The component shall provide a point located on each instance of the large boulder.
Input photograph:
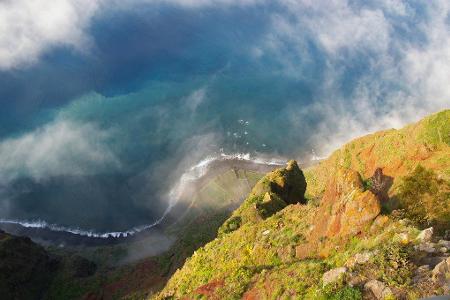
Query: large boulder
(288, 183)
(346, 209)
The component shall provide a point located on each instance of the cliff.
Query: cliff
(361, 230)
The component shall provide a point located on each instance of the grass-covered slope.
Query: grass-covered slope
(348, 241)
(397, 152)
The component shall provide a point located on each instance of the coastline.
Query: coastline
(190, 181)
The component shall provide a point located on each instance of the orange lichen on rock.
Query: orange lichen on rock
(346, 209)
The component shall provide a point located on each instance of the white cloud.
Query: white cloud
(405, 78)
(200, 3)
(29, 28)
(59, 148)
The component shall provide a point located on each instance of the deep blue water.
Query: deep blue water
(163, 87)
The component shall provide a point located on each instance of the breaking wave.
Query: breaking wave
(192, 174)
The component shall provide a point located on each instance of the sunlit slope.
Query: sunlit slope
(272, 248)
(396, 152)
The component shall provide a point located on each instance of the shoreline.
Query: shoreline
(190, 181)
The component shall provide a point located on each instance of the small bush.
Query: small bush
(393, 265)
(231, 224)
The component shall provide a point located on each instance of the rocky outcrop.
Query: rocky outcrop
(271, 194)
(345, 210)
(288, 183)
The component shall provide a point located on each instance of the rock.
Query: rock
(444, 243)
(346, 208)
(432, 261)
(271, 194)
(378, 289)
(380, 184)
(356, 280)
(270, 204)
(379, 222)
(426, 247)
(266, 232)
(362, 258)
(333, 275)
(443, 249)
(423, 268)
(359, 259)
(441, 272)
(425, 235)
(288, 183)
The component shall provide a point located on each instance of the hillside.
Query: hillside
(360, 230)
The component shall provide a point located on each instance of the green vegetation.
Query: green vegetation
(426, 198)
(271, 249)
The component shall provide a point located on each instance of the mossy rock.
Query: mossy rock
(271, 194)
(270, 204)
(288, 183)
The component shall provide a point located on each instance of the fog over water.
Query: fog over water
(105, 104)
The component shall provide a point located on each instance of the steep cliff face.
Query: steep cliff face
(345, 240)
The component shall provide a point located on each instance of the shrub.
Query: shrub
(393, 264)
(231, 224)
(426, 198)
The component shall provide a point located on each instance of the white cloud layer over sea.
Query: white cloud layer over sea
(418, 64)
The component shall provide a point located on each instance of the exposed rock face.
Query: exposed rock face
(345, 210)
(270, 204)
(351, 207)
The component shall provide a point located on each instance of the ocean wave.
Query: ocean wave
(40, 224)
(191, 175)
